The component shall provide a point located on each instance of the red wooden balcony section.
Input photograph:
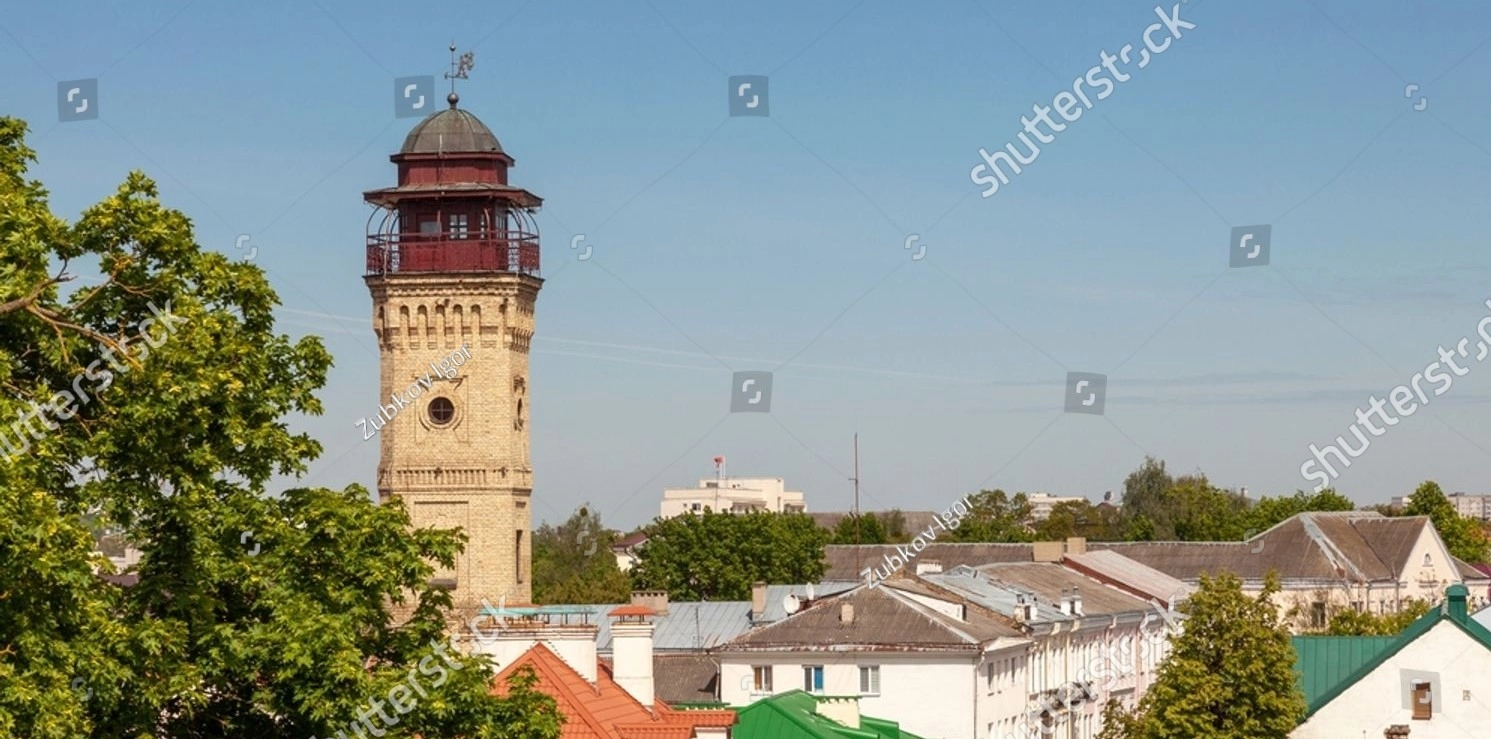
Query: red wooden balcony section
(475, 251)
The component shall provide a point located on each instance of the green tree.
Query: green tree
(1270, 511)
(995, 517)
(716, 556)
(1229, 675)
(1463, 536)
(894, 523)
(1146, 496)
(573, 563)
(1080, 518)
(864, 528)
(1349, 622)
(253, 615)
(1203, 512)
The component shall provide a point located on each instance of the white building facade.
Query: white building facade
(733, 495)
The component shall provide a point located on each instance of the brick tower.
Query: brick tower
(452, 261)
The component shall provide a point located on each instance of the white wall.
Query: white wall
(1462, 695)
(931, 695)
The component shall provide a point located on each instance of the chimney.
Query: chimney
(1457, 595)
(842, 710)
(846, 613)
(1024, 609)
(930, 566)
(1076, 545)
(1066, 602)
(1046, 551)
(1076, 602)
(505, 635)
(631, 652)
(657, 600)
(758, 600)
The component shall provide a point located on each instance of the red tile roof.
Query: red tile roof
(604, 710)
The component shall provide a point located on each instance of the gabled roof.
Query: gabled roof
(841, 558)
(1322, 660)
(604, 710)
(1139, 580)
(883, 620)
(794, 715)
(685, 678)
(1356, 545)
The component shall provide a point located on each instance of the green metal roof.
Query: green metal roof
(1323, 662)
(794, 715)
(1327, 665)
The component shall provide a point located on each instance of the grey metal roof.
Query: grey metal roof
(686, 627)
(775, 594)
(450, 131)
(1130, 576)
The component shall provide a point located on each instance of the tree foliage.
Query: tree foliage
(995, 516)
(1081, 518)
(1351, 622)
(865, 528)
(253, 615)
(1462, 535)
(1229, 675)
(716, 556)
(573, 563)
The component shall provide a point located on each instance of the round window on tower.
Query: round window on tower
(441, 411)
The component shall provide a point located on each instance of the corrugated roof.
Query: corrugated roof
(1322, 662)
(883, 620)
(1322, 668)
(841, 558)
(1137, 579)
(1357, 545)
(794, 715)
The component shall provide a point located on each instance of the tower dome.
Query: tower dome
(450, 131)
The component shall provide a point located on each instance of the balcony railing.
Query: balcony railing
(474, 251)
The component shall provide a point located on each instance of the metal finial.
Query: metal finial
(459, 70)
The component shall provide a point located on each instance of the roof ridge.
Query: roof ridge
(531, 656)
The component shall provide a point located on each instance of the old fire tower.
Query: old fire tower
(453, 259)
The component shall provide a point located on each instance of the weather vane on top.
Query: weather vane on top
(459, 70)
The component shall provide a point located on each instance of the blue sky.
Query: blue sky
(778, 243)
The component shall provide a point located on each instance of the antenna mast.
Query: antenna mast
(856, 504)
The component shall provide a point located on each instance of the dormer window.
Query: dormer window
(459, 226)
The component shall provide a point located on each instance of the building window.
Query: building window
(1427, 561)
(458, 226)
(518, 554)
(869, 680)
(812, 678)
(441, 411)
(761, 679)
(429, 226)
(989, 676)
(1317, 615)
(1423, 702)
